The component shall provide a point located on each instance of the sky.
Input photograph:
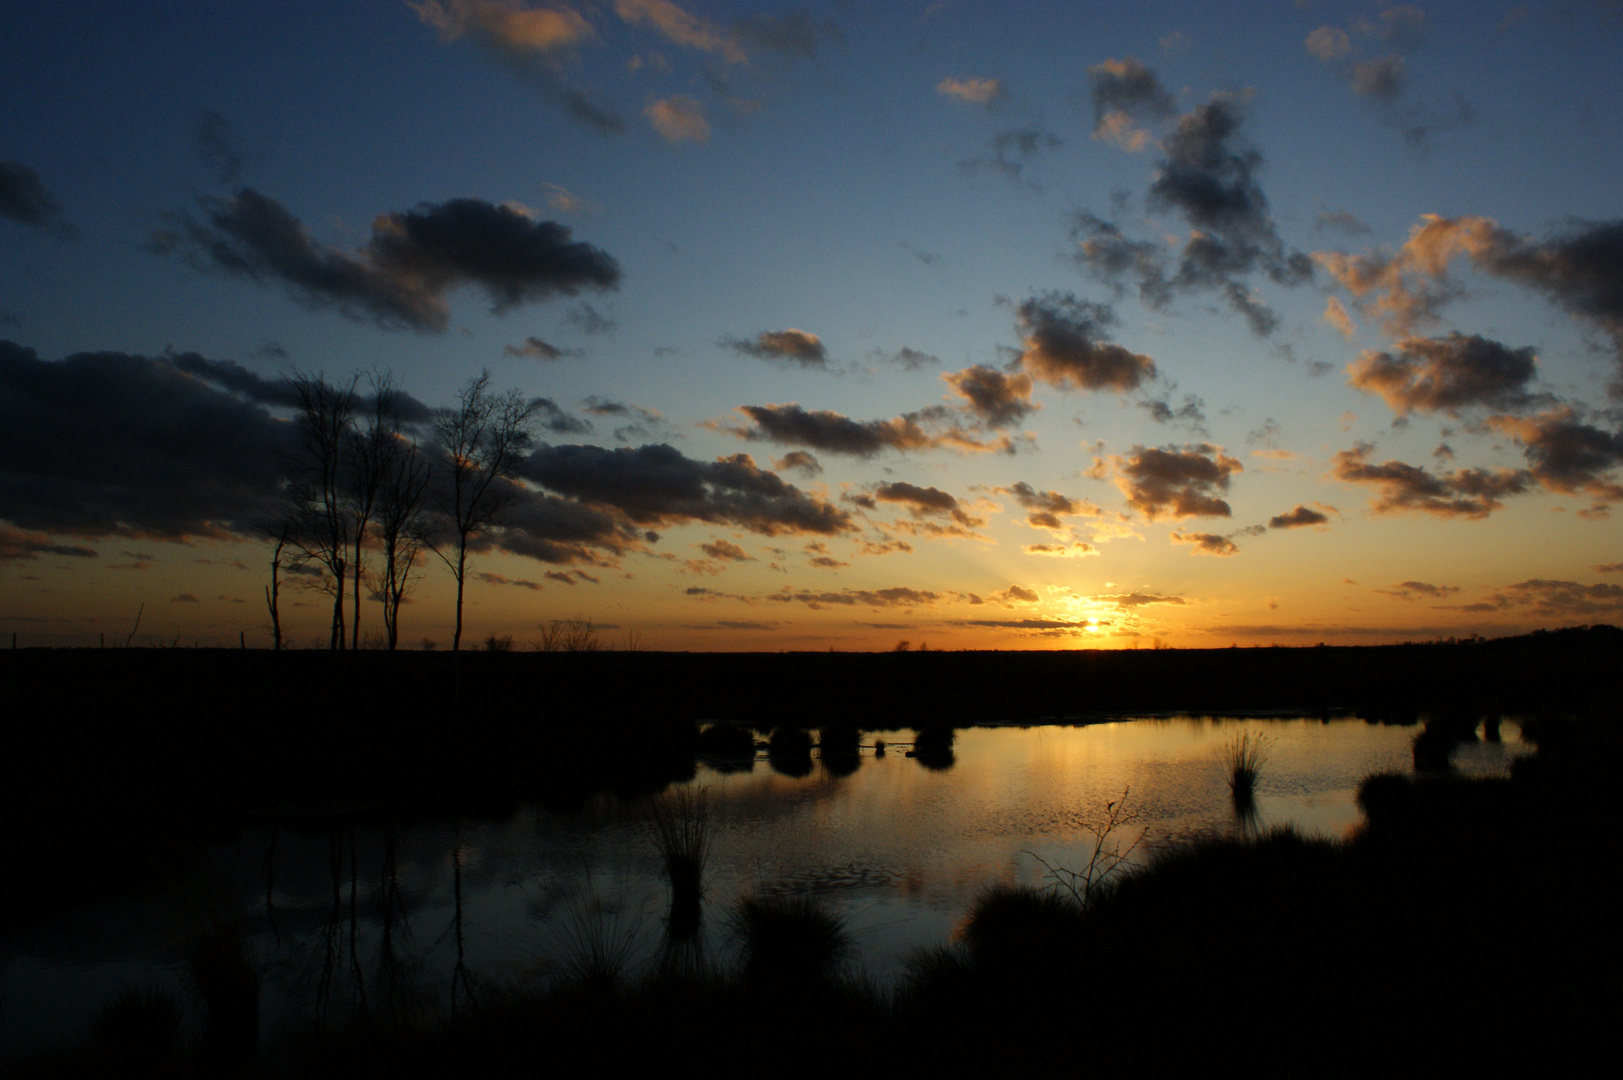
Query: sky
(964, 325)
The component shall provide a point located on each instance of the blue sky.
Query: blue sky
(918, 191)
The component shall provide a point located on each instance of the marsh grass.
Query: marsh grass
(681, 819)
(1244, 755)
(791, 939)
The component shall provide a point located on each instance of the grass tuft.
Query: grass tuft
(681, 820)
(791, 940)
(1245, 754)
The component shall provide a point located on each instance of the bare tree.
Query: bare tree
(273, 592)
(374, 447)
(317, 488)
(483, 436)
(400, 532)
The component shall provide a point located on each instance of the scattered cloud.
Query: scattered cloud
(976, 91)
(996, 399)
(1206, 543)
(1169, 482)
(678, 119)
(1065, 345)
(24, 198)
(412, 260)
(792, 346)
(1467, 493)
(1446, 374)
(833, 433)
(537, 349)
(1297, 518)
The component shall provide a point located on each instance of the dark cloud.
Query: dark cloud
(1564, 454)
(726, 551)
(800, 461)
(1446, 374)
(588, 320)
(518, 583)
(555, 420)
(1566, 599)
(918, 500)
(534, 43)
(1074, 549)
(1127, 86)
(1132, 600)
(1468, 493)
(1065, 345)
(1208, 177)
(17, 545)
(1191, 413)
(413, 258)
(1380, 78)
(998, 400)
(1297, 518)
(655, 484)
(794, 34)
(895, 597)
(1420, 590)
(909, 359)
(1051, 502)
(232, 376)
(837, 434)
(1014, 149)
(794, 346)
(113, 444)
(1342, 221)
(538, 349)
(217, 147)
(24, 198)
(1581, 271)
(1168, 482)
(1207, 543)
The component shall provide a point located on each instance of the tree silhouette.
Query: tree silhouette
(483, 437)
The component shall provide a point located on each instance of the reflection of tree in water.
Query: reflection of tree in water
(932, 746)
(461, 983)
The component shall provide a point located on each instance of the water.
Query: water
(338, 911)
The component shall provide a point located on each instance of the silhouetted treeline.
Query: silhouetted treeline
(146, 753)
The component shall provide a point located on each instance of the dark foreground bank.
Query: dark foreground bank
(1458, 932)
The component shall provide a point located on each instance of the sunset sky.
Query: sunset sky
(970, 324)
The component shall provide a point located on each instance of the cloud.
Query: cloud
(1297, 518)
(564, 201)
(1169, 482)
(678, 119)
(17, 545)
(1468, 493)
(998, 400)
(1013, 149)
(1014, 594)
(1133, 600)
(1128, 90)
(24, 198)
(1065, 345)
(555, 420)
(656, 485)
(1416, 590)
(836, 434)
(1108, 256)
(893, 597)
(1565, 599)
(519, 583)
(589, 320)
(1207, 543)
(538, 349)
(795, 346)
(217, 147)
(103, 444)
(1336, 315)
(413, 258)
(681, 28)
(1564, 454)
(976, 91)
(533, 42)
(726, 551)
(1329, 43)
(800, 461)
(1580, 271)
(925, 502)
(1075, 549)
(1380, 78)
(1342, 221)
(1192, 412)
(909, 359)
(1445, 374)
(1209, 178)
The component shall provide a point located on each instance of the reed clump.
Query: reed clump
(1245, 754)
(682, 827)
